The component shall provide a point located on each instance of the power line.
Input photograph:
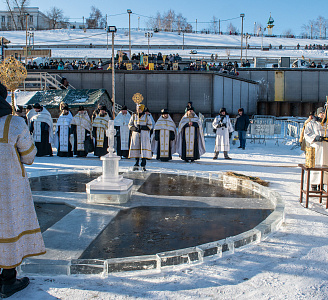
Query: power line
(81, 38)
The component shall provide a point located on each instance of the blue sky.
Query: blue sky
(287, 14)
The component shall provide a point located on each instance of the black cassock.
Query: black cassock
(100, 151)
(43, 147)
(158, 138)
(184, 150)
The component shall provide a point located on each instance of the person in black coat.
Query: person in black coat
(242, 122)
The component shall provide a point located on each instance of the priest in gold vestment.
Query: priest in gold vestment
(20, 234)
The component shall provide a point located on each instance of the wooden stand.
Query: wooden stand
(320, 193)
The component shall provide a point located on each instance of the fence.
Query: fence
(263, 128)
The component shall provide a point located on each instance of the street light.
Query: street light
(129, 11)
(31, 37)
(26, 15)
(242, 29)
(247, 36)
(113, 29)
(148, 35)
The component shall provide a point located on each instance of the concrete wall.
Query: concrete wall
(289, 92)
(298, 85)
(208, 91)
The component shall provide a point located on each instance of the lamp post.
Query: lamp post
(247, 36)
(129, 11)
(148, 35)
(31, 37)
(113, 29)
(26, 19)
(242, 29)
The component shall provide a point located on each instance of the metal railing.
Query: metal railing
(285, 130)
(42, 81)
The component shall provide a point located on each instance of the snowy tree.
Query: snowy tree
(257, 28)
(315, 28)
(321, 24)
(231, 28)
(96, 19)
(214, 25)
(288, 33)
(56, 17)
(169, 21)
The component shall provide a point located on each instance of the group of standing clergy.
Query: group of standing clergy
(73, 135)
(137, 136)
(165, 140)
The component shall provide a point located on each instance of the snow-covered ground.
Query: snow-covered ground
(291, 263)
(99, 37)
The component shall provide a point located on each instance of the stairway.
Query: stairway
(41, 81)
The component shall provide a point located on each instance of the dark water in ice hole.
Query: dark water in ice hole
(150, 230)
(156, 184)
(50, 213)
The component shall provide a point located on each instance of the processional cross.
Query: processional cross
(12, 74)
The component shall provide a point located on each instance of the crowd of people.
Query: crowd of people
(314, 47)
(67, 65)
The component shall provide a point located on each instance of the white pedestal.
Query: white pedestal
(110, 188)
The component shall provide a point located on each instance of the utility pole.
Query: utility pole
(113, 29)
(138, 23)
(183, 41)
(148, 35)
(219, 26)
(254, 28)
(129, 11)
(26, 19)
(311, 30)
(196, 25)
(242, 29)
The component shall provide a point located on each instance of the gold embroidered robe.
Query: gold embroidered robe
(20, 234)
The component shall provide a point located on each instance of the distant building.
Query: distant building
(16, 20)
(270, 25)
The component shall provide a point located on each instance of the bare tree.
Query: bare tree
(96, 19)
(21, 5)
(316, 27)
(321, 24)
(231, 28)
(214, 25)
(257, 28)
(169, 21)
(56, 16)
(288, 33)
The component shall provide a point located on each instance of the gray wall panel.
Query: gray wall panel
(227, 94)
(252, 102)
(201, 92)
(157, 92)
(119, 89)
(293, 80)
(323, 86)
(310, 91)
(178, 92)
(92, 81)
(245, 95)
(236, 96)
(218, 94)
(262, 77)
